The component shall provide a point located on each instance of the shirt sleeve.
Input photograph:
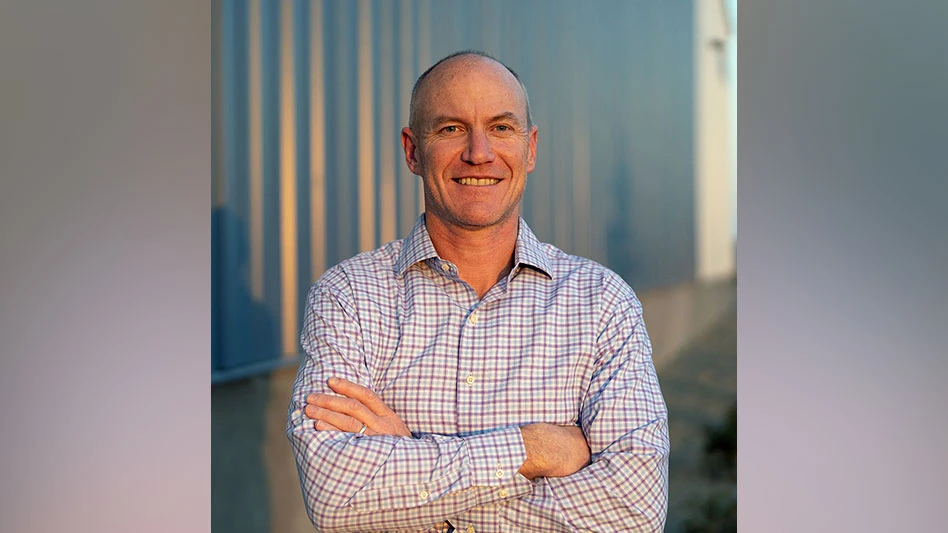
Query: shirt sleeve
(625, 420)
(369, 483)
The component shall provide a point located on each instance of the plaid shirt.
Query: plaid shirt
(559, 340)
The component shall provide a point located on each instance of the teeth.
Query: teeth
(478, 181)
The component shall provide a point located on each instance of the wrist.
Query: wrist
(534, 465)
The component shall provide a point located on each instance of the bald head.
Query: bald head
(431, 77)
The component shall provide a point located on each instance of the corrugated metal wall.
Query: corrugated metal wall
(309, 99)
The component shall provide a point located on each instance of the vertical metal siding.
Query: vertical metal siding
(309, 101)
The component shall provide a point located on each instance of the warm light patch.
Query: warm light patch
(255, 166)
(288, 245)
(366, 126)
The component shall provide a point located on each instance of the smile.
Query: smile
(477, 181)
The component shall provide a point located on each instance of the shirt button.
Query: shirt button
(423, 495)
(445, 267)
(470, 529)
(470, 379)
(499, 472)
(472, 319)
(503, 493)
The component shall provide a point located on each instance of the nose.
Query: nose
(478, 150)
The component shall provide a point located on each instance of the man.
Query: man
(468, 377)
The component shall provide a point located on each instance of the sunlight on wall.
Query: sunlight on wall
(310, 97)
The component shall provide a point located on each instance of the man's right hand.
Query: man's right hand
(553, 451)
(354, 406)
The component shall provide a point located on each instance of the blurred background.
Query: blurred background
(636, 107)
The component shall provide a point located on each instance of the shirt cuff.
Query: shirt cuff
(495, 459)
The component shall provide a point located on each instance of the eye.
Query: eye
(503, 127)
(449, 129)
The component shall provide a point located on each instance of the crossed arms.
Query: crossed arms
(608, 474)
(552, 450)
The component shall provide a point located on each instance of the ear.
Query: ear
(411, 151)
(532, 154)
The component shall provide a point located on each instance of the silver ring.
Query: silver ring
(362, 431)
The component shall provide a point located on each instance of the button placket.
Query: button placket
(470, 371)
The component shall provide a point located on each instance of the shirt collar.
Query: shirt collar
(529, 251)
(418, 247)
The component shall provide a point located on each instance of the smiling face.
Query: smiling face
(473, 147)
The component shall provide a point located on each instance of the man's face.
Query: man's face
(473, 149)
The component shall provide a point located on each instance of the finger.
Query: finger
(338, 421)
(322, 425)
(347, 406)
(366, 396)
(314, 412)
(340, 404)
(318, 398)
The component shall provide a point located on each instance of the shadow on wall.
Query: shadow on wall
(244, 330)
(619, 235)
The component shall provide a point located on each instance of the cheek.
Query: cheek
(435, 163)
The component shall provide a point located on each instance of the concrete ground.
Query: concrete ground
(699, 381)
(693, 328)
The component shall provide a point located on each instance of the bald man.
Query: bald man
(469, 377)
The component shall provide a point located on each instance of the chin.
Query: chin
(481, 220)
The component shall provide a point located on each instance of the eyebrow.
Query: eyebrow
(507, 115)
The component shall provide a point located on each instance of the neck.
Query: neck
(483, 256)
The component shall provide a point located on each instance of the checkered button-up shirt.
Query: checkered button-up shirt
(559, 340)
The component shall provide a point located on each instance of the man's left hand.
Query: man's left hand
(356, 405)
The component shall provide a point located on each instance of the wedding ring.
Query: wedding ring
(362, 431)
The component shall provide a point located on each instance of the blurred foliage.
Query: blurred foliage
(715, 513)
(716, 510)
(720, 447)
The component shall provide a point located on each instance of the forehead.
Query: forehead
(471, 83)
